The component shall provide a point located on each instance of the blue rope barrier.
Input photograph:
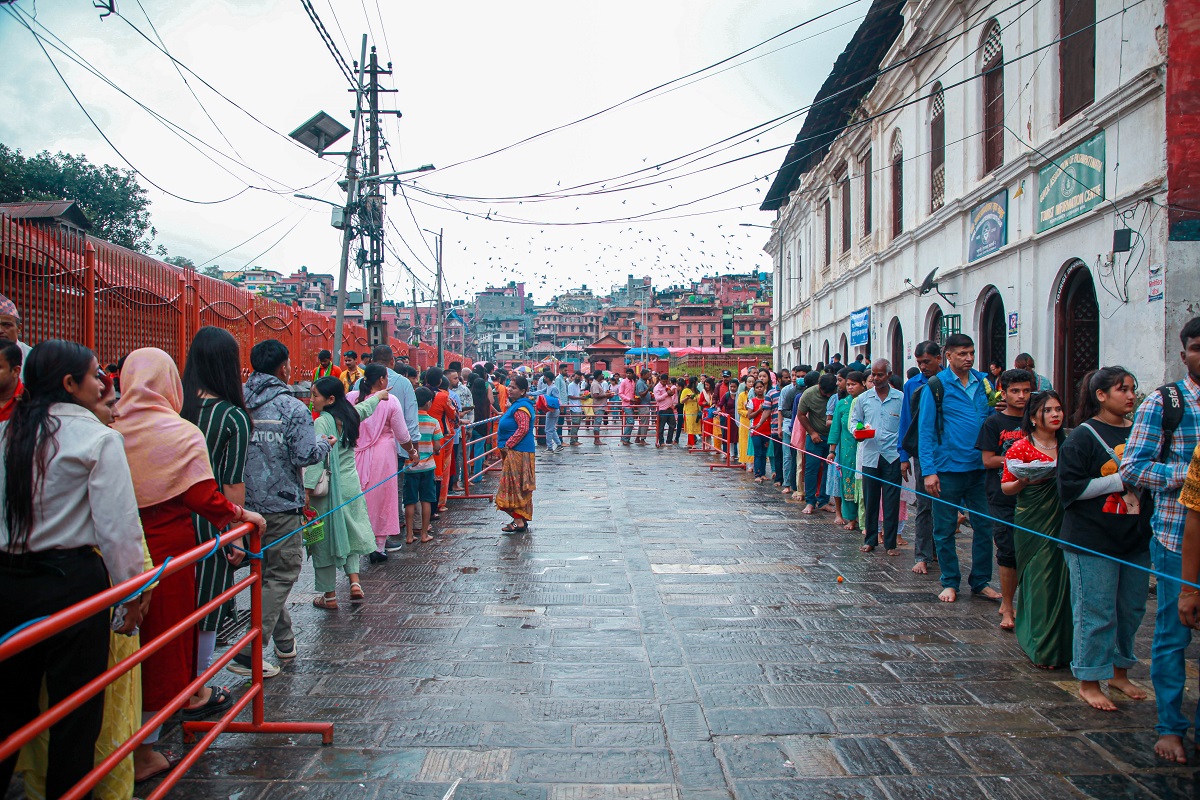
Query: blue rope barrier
(973, 512)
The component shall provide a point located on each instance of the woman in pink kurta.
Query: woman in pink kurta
(375, 456)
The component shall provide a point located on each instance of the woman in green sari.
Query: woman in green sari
(1044, 628)
(347, 531)
(844, 447)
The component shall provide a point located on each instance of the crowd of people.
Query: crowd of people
(108, 473)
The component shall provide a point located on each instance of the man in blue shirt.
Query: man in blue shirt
(953, 469)
(929, 361)
(880, 410)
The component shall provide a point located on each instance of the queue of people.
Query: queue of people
(103, 480)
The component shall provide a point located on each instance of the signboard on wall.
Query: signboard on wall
(1014, 323)
(1155, 284)
(989, 226)
(1071, 184)
(860, 327)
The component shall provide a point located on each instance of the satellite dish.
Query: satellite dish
(928, 285)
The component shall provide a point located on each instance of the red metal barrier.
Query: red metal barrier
(113, 300)
(100, 603)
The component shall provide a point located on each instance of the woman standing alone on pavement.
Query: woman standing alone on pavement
(347, 531)
(514, 495)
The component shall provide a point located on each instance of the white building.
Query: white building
(986, 145)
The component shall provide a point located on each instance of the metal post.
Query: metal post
(441, 322)
(89, 296)
(351, 198)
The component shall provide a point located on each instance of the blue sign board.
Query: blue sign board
(860, 327)
(989, 229)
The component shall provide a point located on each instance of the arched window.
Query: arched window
(937, 148)
(993, 99)
(897, 185)
(1076, 56)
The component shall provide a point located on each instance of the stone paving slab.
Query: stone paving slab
(667, 632)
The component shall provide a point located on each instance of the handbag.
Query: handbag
(322, 487)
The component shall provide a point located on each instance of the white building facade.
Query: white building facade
(971, 179)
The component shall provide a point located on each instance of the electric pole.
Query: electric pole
(351, 198)
(441, 314)
(377, 327)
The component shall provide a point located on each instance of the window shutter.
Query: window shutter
(847, 216)
(825, 212)
(1076, 56)
(993, 100)
(868, 177)
(937, 150)
(897, 186)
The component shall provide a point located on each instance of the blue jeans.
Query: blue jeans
(965, 490)
(1108, 601)
(761, 445)
(553, 439)
(628, 420)
(789, 457)
(814, 469)
(1168, 656)
(923, 524)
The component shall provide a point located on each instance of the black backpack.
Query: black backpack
(912, 436)
(1172, 400)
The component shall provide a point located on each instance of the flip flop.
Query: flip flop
(218, 701)
(172, 762)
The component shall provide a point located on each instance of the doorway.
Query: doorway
(934, 328)
(993, 330)
(896, 351)
(1076, 332)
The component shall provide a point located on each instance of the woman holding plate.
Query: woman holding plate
(1108, 595)
(1043, 624)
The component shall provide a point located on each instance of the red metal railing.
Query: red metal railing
(100, 603)
(113, 300)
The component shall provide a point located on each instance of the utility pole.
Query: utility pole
(351, 202)
(441, 314)
(377, 328)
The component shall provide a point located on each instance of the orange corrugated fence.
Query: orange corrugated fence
(71, 286)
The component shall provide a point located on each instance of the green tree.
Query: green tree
(183, 262)
(117, 205)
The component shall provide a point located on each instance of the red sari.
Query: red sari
(169, 532)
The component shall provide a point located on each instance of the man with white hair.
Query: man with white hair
(10, 325)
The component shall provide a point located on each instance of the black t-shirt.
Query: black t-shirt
(997, 434)
(1099, 523)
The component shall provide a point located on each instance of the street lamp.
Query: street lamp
(752, 225)
(386, 175)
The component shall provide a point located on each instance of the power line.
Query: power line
(641, 94)
(327, 40)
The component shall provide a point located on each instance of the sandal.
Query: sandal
(218, 701)
(325, 602)
(172, 762)
(356, 593)
(512, 528)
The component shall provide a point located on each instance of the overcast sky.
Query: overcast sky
(472, 78)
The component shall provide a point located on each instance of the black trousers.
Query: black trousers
(35, 587)
(666, 427)
(873, 491)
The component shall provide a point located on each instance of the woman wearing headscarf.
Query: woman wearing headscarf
(172, 478)
(380, 436)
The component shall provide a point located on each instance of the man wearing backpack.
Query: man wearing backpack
(1165, 433)
(948, 428)
(929, 361)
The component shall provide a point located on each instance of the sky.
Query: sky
(472, 77)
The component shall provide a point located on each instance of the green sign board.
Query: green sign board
(1071, 184)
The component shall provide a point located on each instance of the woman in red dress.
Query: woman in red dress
(172, 479)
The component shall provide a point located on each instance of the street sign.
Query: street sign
(860, 327)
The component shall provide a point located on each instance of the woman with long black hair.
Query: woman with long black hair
(67, 492)
(1043, 623)
(1108, 595)
(213, 402)
(347, 531)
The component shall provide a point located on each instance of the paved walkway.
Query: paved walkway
(666, 632)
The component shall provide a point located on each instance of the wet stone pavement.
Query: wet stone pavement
(670, 633)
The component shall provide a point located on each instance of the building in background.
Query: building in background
(960, 176)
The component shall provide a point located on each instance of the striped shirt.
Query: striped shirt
(430, 438)
(1140, 464)
(226, 430)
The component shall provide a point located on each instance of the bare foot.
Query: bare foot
(988, 593)
(1127, 688)
(1169, 747)
(920, 568)
(866, 548)
(901, 541)
(1091, 694)
(807, 510)
(1008, 620)
(839, 520)
(948, 595)
(829, 507)
(893, 552)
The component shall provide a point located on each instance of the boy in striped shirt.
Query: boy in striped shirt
(420, 482)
